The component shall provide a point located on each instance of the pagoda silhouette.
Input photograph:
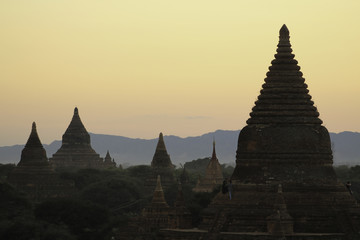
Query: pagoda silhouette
(284, 184)
(34, 176)
(76, 151)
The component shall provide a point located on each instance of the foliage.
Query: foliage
(84, 219)
(140, 172)
(198, 202)
(5, 169)
(17, 220)
(13, 203)
(105, 200)
(118, 194)
(352, 174)
(227, 170)
(30, 229)
(197, 166)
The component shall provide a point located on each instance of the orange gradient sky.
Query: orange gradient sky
(135, 68)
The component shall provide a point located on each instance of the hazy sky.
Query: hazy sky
(135, 68)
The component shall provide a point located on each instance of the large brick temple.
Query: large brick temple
(284, 184)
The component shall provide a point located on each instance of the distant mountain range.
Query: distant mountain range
(130, 151)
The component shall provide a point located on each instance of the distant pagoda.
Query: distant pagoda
(161, 158)
(34, 175)
(76, 151)
(161, 165)
(108, 161)
(213, 175)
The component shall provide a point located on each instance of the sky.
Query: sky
(135, 68)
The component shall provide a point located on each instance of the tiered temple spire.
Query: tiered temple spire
(213, 175)
(284, 143)
(76, 151)
(284, 98)
(33, 153)
(156, 215)
(284, 124)
(34, 175)
(108, 161)
(161, 158)
(161, 165)
(158, 197)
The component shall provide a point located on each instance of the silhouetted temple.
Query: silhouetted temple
(108, 161)
(156, 214)
(161, 165)
(76, 151)
(284, 185)
(213, 175)
(34, 175)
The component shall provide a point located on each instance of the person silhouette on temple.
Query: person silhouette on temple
(224, 187)
(348, 186)
(229, 186)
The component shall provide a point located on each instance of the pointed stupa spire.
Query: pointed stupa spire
(161, 158)
(33, 140)
(33, 152)
(284, 123)
(214, 152)
(161, 143)
(158, 197)
(76, 134)
(284, 33)
(284, 98)
(108, 157)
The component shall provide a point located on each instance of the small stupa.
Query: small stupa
(76, 151)
(213, 175)
(108, 161)
(34, 175)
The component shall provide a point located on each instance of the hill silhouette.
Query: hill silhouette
(131, 151)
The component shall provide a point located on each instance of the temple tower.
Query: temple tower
(155, 215)
(213, 175)
(34, 175)
(108, 161)
(161, 158)
(285, 143)
(161, 165)
(76, 151)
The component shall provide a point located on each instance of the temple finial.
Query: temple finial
(76, 111)
(284, 31)
(214, 152)
(33, 138)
